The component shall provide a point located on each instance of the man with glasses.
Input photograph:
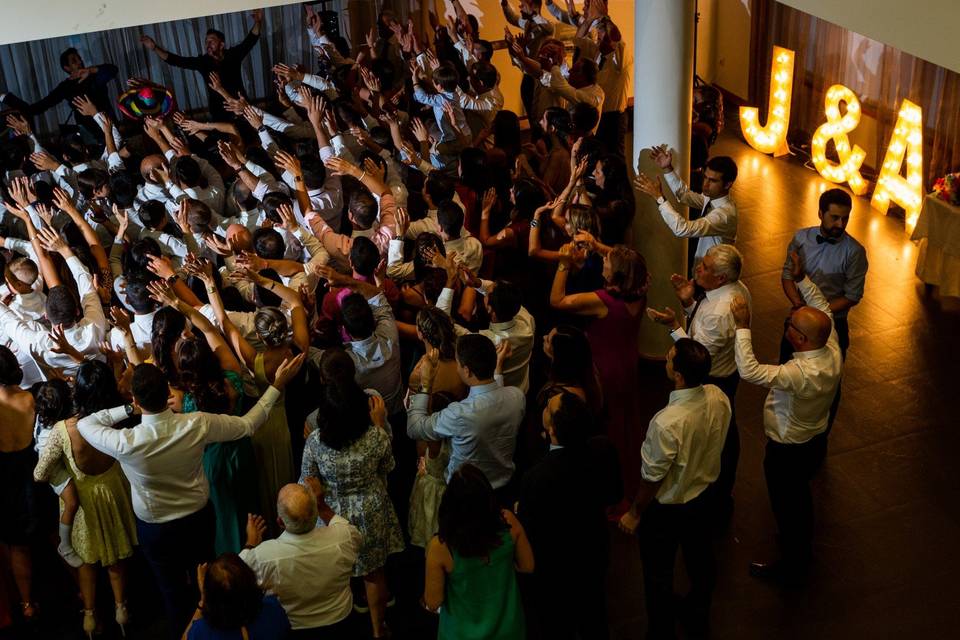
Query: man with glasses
(795, 417)
(836, 263)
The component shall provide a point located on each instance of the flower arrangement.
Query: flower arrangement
(947, 188)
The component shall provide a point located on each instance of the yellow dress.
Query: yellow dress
(104, 530)
(271, 448)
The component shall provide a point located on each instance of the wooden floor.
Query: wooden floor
(887, 500)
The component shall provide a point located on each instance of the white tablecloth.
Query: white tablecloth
(938, 260)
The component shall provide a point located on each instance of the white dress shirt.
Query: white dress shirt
(716, 226)
(85, 335)
(142, 329)
(519, 331)
(163, 456)
(684, 441)
(801, 390)
(309, 573)
(712, 326)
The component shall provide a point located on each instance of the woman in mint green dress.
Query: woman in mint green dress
(472, 563)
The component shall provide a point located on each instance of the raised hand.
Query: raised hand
(148, 42)
(331, 275)
(420, 130)
(19, 124)
(123, 220)
(256, 529)
(43, 161)
(254, 116)
(160, 266)
(402, 221)
(61, 345)
(179, 146)
(341, 167)
(121, 318)
(287, 370)
(251, 261)
(52, 241)
(288, 73)
(22, 191)
(667, 317)
(200, 268)
(217, 245)
(648, 185)
(683, 287)
(663, 157)
(489, 200)
(163, 293)
(85, 106)
(288, 162)
(45, 213)
(288, 220)
(192, 127)
(375, 170)
(229, 154)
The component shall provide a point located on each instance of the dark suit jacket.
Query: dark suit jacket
(562, 507)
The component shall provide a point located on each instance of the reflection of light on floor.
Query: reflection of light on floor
(755, 163)
(822, 187)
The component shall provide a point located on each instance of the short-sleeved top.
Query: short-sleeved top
(838, 269)
(271, 624)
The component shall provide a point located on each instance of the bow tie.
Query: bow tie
(821, 240)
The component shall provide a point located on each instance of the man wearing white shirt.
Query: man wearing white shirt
(795, 417)
(163, 460)
(681, 458)
(510, 322)
(83, 329)
(455, 239)
(711, 323)
(308, 567)
(713, 213)
(144, 308)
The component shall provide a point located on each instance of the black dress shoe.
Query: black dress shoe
(766, 570)
(779, 573)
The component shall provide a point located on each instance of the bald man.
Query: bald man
(152, 187)
(795, 418)
(308, 567)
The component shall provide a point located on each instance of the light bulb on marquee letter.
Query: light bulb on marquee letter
(772, 138)
(837, 128)
(906, 141)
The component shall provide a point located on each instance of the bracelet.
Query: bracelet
(534, 223)
(562, 267)
(211, 289)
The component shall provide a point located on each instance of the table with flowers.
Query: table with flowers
(938, 231)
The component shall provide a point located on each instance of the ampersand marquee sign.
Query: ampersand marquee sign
(905, 143)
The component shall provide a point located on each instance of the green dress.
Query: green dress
(271, 447)
(104, 530)
(229, 467)
(481, 599)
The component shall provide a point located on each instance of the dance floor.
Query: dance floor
(887, 539)
(886, 500)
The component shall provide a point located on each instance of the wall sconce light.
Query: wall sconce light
(772, 138)
(837, 128)
(906, 142)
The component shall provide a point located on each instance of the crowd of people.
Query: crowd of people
(271, 347)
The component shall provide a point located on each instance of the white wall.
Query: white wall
(729, 23)
(37, 19)
(923, 28)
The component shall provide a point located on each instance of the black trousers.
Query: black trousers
(843, 337)
(173, 550)
(788, 469)
(722, 489)
(664, 528)
(342, 630)
(572, 607)
(612, 131)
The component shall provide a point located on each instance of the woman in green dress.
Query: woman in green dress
(104, 531)
(472, 563)
(284, 339)
(210, 378)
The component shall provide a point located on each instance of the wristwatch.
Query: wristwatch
(172, 279)
(129, 409)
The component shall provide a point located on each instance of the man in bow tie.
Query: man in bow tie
(835, 262)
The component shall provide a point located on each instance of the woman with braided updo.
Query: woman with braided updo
(435, 330)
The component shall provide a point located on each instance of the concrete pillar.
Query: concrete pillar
(663, 98)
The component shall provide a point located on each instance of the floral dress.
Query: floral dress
(104, 530)
(356, 489)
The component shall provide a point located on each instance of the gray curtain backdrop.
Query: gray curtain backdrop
(32, 69)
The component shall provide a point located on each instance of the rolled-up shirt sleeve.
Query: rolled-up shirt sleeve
(658, 452)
